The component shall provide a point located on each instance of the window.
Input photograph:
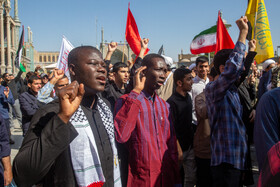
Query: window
(53, 58)
(40, 58)
(49, 58)
(45, 59)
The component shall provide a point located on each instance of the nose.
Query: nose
(101, 69)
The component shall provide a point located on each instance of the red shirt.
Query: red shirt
(145, 126)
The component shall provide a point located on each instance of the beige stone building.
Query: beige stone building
(45, 58)
(9, 36)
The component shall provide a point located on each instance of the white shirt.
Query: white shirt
(197, 87)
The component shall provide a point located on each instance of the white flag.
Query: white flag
(62, 62)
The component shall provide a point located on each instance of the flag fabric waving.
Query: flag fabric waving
(257, 15)
(132, 35)
(204, 42)
(62, 62)
(223, 40)
(161, 50)
(212, 39)
(18, 63)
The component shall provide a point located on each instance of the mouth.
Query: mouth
(160, 83)
(101, 79)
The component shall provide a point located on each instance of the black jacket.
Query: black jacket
(44, 156)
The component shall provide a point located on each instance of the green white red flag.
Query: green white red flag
(204, 42)
(212, 39)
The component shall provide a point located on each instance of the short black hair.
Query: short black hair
(180, 73)
(4, 75)
(201, 59)
(32, 78)
(213, 72)
(29, 74)
(220, 59)
(74, 53)
(119, 65)
(148, 59)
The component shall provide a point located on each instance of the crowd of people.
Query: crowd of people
(145, 123)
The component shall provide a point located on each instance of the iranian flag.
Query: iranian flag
(204, 42)
(18, 63)
(214, 39)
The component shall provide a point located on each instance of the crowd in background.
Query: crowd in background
(145, 123)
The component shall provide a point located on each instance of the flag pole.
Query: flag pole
(256, 14)
(123, 51)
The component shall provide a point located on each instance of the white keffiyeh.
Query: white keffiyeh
(84, 153)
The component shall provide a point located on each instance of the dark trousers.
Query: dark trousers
(225, 175)
(203, 172)
(7, 123)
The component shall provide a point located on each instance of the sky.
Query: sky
(171, 23)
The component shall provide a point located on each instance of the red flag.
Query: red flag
(223, 39)
(132, 35)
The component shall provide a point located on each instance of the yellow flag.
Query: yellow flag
(261, 30)
(251, 13)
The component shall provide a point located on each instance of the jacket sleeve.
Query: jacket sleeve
(200, 106)
(217, 89)
(27, 108)
(266, 129)
(46, 139)
(127, 109)
(5, 149)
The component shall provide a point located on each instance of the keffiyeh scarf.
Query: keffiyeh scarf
(84, 153)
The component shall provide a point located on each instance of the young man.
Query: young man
(143, 123)
(181, 110)
(115, 90)
(28, 101)
(200, 81)
(228, 132)
(71, 140)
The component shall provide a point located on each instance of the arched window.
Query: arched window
(49, 58)
(40, 58)
(45, 58)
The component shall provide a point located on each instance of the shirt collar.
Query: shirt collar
(148, 96)
(198, 79)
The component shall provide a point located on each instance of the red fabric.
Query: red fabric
(223, 40)
(96, 184)
(206, 49)
(146, 128)
(132, 35)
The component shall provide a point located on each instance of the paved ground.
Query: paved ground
(17, 137)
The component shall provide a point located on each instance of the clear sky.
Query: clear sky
(172, 23)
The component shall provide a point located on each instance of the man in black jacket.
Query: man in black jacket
(50, 148)
(181, 110)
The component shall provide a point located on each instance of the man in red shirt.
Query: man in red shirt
(143, 123)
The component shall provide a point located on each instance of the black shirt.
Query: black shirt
(181, 111)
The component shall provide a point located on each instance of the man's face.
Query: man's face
(202, 69)
(6, 78)
(45, 80)
(11, 77)
(155, 74)
(91, 71)
(35, 86)
(122, 75)
(187, 82)
(61, 83)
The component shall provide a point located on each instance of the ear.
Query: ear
(71, 70)
(179, 83)
(29, 85)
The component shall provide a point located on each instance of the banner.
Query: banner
(18, 63)
(62, 62)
